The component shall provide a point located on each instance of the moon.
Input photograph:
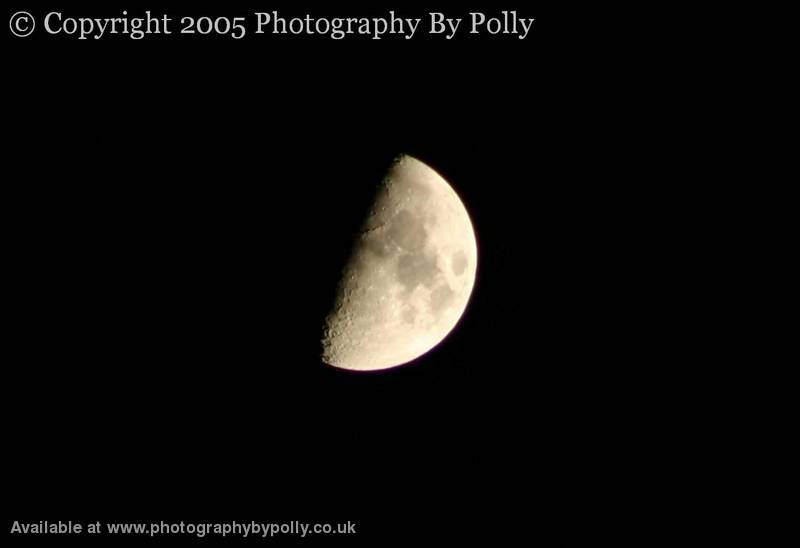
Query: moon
(410, 274)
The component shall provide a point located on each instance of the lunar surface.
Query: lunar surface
(409, 277)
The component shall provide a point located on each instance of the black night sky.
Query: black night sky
(176, 216)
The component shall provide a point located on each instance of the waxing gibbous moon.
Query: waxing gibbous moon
(410, 274)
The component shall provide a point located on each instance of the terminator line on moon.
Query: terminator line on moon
(410, 274)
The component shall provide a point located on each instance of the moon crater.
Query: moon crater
(459, 262)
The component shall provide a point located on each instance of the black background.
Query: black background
(177, 211)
